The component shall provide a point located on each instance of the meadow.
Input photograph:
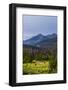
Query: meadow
(36, 67)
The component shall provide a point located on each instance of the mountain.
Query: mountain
(34, 40)
(48, 41)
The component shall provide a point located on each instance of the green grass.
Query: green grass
(37, 67)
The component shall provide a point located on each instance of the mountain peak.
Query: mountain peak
(34, 39)
(39, 34)
(54, 34)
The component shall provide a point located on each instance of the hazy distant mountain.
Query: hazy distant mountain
(48, 41)
(34, 40)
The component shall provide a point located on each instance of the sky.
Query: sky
(34, 25)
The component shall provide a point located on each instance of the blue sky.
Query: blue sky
(34, 25)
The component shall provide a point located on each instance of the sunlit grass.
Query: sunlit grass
(36, 67)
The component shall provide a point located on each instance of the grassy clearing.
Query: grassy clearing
(36, 67)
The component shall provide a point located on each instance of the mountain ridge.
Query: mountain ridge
(42, 40)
